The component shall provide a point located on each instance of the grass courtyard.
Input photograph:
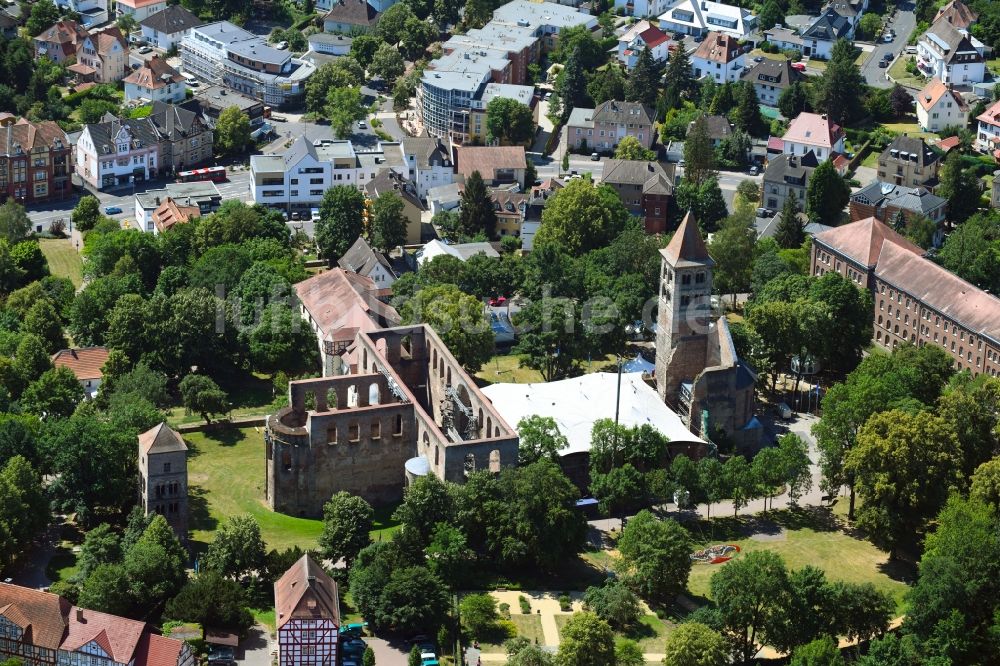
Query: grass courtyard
(64, 260)
(506, 368)
(226, 478)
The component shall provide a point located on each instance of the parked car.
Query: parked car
(799, 66)
(296, 216)
(362, 125)
(764, 212)
(699, 39)
(595, 157)
(497, 301)
(145, 49)
(883, 64)
(887, 38)
(758, 58)
(754, 170)
(279, 119)
(112, 210)
(281, 46)
(221, 655)
(548, 96)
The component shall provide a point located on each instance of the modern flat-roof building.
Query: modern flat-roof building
(698, 17)
(916, 300)
(224, 54)
(213, 100)
(297, 179)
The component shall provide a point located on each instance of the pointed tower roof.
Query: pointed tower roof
(687, 248)
(161, 439)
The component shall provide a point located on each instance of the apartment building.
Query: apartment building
(813, 132)
(988, 130)
(910, 162)
(155, 81)
(770, 77)
(105, 54)
(224, 54)
(60, 41)
(698, 17)
(720, 57)
(36, 162)
(820, 36)
(602, 128)
(348, 17)
(787, 176)
(644, 187)
(642, 35)
(140, 9)
(940, 106)
(951, 55)
(428, 163)
(296, 180)
(916, 300)
(165, 29)
(117, 153)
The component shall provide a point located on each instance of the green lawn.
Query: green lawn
(528, 626)
(898, 73)
(507, 369)
(807, 540)
(226, 477)
(650, 634)
(249, 395)
(910, 128)
(64, 260)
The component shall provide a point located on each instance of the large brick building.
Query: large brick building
(35, 162)
(645, 188)
(916, 300)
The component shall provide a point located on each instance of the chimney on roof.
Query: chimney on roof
(311, 579)
(79, 614)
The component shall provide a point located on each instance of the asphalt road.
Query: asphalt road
(237, 187)
(903, 23)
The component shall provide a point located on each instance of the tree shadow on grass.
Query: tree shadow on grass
(225, 434)
(899, 570)
(639, 631)
(199, 516)
(816, 518)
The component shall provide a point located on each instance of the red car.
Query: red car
(800, 66)
(497, 301)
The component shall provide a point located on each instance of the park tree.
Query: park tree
(699, 155)
(55, 394)
(614, 603)
(87, 213)
(387, 63)
(458, 318)
(211, 600)
(509, 121)
(655, 557)
(679, 84)
(426, 503)
(748, 593)
(238, 548)
(106, 590)
(628, 653)
(954, 602)
(417, 36)
(156, 564)
(820, 652)
(345, 72)
(904, 466)
(704, 201)
(790, 233)
(644, 80)
(448, 554)
(551, 339)
(986, 483)
(101, 545)
(695, 644)
(280, 342)
(392, 23)
(539, 437)
(232, 132)
(476, 212)
(347, 521)
(586, 640)
(201, 395)
(582, 217)
(414, 599)
(43, 321)
(341, 221)
(960, 186)
(629, 148)
(617, 488)
(739, 478)
(344, 107)
(479, 614)
(826, 195)
(387, 229)
(794, 99)
(24, 508)
(795, 465)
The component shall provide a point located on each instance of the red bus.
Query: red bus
(216, 174)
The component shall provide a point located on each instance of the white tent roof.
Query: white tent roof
(576, 403)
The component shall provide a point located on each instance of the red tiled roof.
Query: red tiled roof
(687, 244)
(161, 439)
(488, 159)
(813, 129)
(306, 591)
(118, 636)
(862, 241)
(154, 74)
(156, 650)
(720, 48)
(39, 614)
(949, 143)
(940, 289)
(991, 116)
(338, 299)
(653, 36)
(85, 363)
